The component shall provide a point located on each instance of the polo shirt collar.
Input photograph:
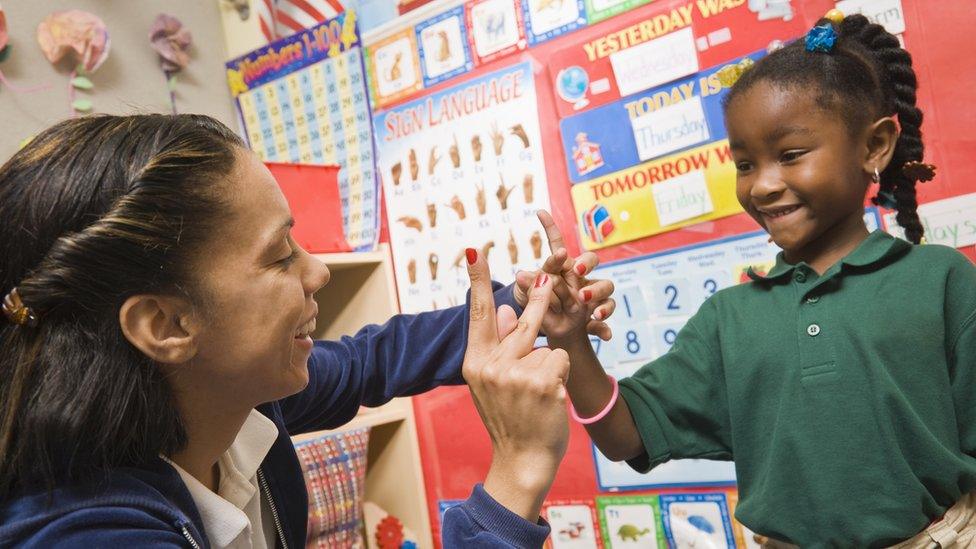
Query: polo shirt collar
(877, 246)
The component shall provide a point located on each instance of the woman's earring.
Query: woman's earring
(877, 176)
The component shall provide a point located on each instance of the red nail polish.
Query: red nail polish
(587, 295)
(541, 280)
(580, 269)
(598, 315)
(472, 255)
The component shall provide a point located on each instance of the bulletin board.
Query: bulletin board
(303, 99)
(659, 212)
(130, 79)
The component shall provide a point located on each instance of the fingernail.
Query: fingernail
(587, 295)
(541, 280)
(472, 255)
(598, 315)
(580, 269)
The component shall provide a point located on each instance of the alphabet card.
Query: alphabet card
(444, 49)
(394, 67)
(631, 522)
(574, 525)
(547, 19)
(697, 520)
(496, 28)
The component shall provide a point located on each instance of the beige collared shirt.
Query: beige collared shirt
(237, 516)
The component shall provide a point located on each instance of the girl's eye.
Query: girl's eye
(790, 156)
(743, 166)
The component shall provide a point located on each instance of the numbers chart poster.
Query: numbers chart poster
(463, 168)
(656, 295)
(303, 100)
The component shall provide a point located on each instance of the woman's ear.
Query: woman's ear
(161, 327)
(881, 137)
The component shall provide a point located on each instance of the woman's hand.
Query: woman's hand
(582, 306)
(519, 392)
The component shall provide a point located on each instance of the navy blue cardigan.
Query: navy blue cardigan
(150, 505)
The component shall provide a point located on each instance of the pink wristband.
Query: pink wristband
(604, 411)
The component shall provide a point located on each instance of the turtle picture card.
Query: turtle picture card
(631, 522)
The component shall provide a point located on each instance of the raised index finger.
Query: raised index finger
(521, 341)
(482, 329)
(553, 233)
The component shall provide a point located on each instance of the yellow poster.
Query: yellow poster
(664, 194)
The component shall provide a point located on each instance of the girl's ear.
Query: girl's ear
(881, 137)
(162, 327)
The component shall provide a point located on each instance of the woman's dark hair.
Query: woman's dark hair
(95, 210)
(867, 75)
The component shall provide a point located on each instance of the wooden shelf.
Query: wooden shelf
(341, 261)
(397, 409)
(362, 291)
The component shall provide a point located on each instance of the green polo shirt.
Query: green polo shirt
(848, 400)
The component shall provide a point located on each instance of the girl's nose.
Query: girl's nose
(767, 185)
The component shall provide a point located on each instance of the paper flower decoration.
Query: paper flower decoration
(171, 40)
(76, 33)
(4, 38)
(83, 38)
(5, 52)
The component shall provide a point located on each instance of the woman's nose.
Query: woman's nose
(317, 274)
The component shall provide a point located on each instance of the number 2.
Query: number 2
(672, 291)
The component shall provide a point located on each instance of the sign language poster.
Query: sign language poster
(463, 168)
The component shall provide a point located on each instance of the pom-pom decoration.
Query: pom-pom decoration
(821, 39)
(918, 171)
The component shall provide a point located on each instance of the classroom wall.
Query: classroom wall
(130, 80)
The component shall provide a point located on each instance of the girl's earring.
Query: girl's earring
(877, 176)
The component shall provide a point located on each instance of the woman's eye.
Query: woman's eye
(286, 262)
(743, 166)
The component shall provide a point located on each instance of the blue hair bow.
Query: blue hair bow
(821, 38)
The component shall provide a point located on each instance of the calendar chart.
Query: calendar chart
(656, 295)
(304, 100)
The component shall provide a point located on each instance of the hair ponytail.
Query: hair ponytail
(899, 84)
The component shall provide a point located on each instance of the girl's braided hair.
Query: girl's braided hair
(865, 76)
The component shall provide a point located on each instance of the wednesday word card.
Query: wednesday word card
(303, 99)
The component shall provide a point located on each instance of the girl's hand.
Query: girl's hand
(509, 382)
(582, 305)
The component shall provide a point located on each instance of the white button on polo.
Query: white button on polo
(813, 330)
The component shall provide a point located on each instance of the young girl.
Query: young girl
(843, 382)
(155, 352)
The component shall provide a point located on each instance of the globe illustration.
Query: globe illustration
(572, 83)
